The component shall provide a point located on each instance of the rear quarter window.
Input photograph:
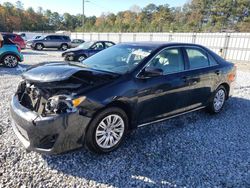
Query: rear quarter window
(197, 58)
(108, 44)
(212, 61)
(65, 38)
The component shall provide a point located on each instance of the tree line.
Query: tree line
(194, 16)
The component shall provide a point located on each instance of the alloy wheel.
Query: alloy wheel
(10, 61)
(64, 47)
(81, 58)
(219, 99)
(69, 58)
(110, 131)
(39, 47)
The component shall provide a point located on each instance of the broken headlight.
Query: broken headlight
(63, 104)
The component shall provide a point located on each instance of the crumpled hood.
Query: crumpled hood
(52, 72)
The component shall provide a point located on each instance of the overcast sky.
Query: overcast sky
(93, 7)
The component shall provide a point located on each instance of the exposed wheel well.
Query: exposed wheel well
(227, 87)
(2, 57)
(64, 44)
(38, 44)
(125, 107)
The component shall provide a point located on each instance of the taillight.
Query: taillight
(232, 75)
(18, 48)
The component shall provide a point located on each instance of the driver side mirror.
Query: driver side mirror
(150, 72)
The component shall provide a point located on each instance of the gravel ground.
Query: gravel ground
(195, 150)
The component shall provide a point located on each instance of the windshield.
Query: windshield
(118, 59)
(86, 45)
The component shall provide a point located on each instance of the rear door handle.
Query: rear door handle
(185, 79)
(193, 81)
(190, 81)
(218, 72)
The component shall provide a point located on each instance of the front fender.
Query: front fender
(11, 53)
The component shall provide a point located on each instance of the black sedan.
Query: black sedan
(63, 106)
(86, 50)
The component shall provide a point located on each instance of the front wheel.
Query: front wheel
(69, 58)
(39, 47)
(107, 130)
(10, 61)
(81, 58)
(218, 100)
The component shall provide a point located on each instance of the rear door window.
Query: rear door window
(65, 38)
(53, 37)
(57, 37)
(197, 58)
(108, 44)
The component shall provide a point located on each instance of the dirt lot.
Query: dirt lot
(195, 150)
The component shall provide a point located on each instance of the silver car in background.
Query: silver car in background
(76, 42)
(61, 42)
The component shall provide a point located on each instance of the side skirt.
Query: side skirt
(170, 117)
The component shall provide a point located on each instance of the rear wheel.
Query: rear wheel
(39, 47)
(218, 100)
(107, 130)
(10, 61)
(64, 47)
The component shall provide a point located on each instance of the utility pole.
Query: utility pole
(83, 2)
(83, 12)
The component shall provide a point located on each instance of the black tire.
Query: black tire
(90, 137)
(69, 58)
(81, 58)
(39, 46)
(64, 47)
(10, 61)
(211, 108)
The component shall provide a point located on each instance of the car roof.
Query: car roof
(100, 41)
(6, 33)
(56, 35)
(159, 44)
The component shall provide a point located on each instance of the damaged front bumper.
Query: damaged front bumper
(50, 135)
